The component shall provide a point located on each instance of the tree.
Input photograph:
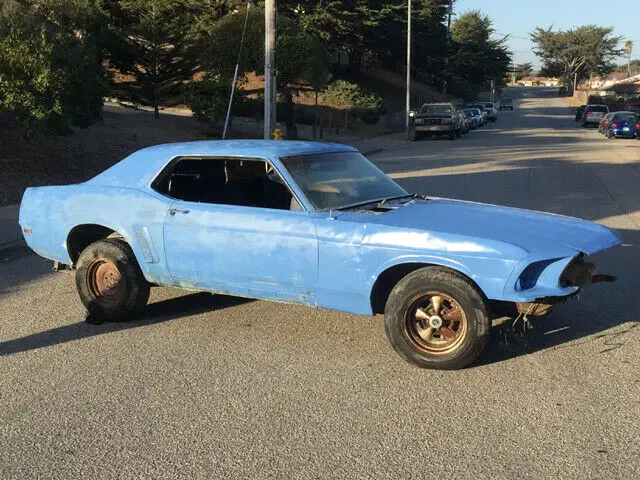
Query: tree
(579, 51)
(476, 57)
(523, 70)
(300, 55)
(628, 48)
(51, 75)
(157, 42)
(348, 96)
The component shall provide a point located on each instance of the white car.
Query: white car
(492, 111)
(593, 114)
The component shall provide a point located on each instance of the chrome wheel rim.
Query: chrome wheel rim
(435, 323)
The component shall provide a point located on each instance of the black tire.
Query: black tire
(418, 136)
(403, 328)
(452, 135)
(459, 132)
(109, 281)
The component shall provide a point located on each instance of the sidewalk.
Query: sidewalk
(373, 145)
(10, 230)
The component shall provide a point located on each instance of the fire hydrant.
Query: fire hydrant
(278, 135)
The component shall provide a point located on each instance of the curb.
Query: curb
(384, 149)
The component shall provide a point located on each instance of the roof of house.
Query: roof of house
(628, 85)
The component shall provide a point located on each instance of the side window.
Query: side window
(226, 181)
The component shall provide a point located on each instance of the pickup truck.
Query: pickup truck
(439, 119)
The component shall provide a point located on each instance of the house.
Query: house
(529, 81)
(532, 81)
(614, 77)
(625, 88)
(595, 82)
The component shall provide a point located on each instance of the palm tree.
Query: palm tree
(628, 47)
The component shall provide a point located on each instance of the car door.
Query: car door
(242, 250)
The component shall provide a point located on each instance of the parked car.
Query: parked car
(492, 111)
(506, 103)
(623, 124)
(478, 116)
(593, 114)
(465, 121)
(472, 118)
(439, 119)
(579, 112)
(603, 123)
(309, 223)
(482, 108)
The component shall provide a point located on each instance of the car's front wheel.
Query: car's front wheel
(110, 283)
(436, 318)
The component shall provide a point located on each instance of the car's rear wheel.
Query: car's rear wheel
(109, 281)
(436, 318)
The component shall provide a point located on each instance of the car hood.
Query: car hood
(529, 230)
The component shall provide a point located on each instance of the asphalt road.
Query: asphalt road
(214, 387)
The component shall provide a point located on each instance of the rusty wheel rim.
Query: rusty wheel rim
(105, 283)
(435, 323)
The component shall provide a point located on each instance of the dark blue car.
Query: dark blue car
(623, 124)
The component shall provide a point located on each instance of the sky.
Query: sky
(519, 18)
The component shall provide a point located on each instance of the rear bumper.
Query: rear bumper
(621, 133)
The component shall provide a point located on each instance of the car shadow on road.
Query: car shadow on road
(155, 313)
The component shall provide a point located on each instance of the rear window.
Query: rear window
(625, 117)
(598, 108)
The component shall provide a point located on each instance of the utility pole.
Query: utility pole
(513, 60)
(407, 118)
(575, 82)
(269, 67)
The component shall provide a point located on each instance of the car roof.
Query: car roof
(139, 168)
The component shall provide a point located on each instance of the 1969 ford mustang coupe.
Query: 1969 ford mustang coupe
(309, 223)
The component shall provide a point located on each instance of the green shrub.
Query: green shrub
(208, 99)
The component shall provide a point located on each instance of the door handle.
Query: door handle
(173, 211)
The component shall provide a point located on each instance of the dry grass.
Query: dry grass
(76, 158)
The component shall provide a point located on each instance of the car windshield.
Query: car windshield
(340, 179)
(435, 109)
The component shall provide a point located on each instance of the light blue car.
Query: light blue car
(309, 223)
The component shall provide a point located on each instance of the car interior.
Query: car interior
(226, 181)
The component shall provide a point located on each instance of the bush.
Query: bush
(51, 76)
(348, 96)
(208, 99)
(370, 117)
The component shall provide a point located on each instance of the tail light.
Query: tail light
(446, 120)
(614, 125)
(589, 112)
(638, 126)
